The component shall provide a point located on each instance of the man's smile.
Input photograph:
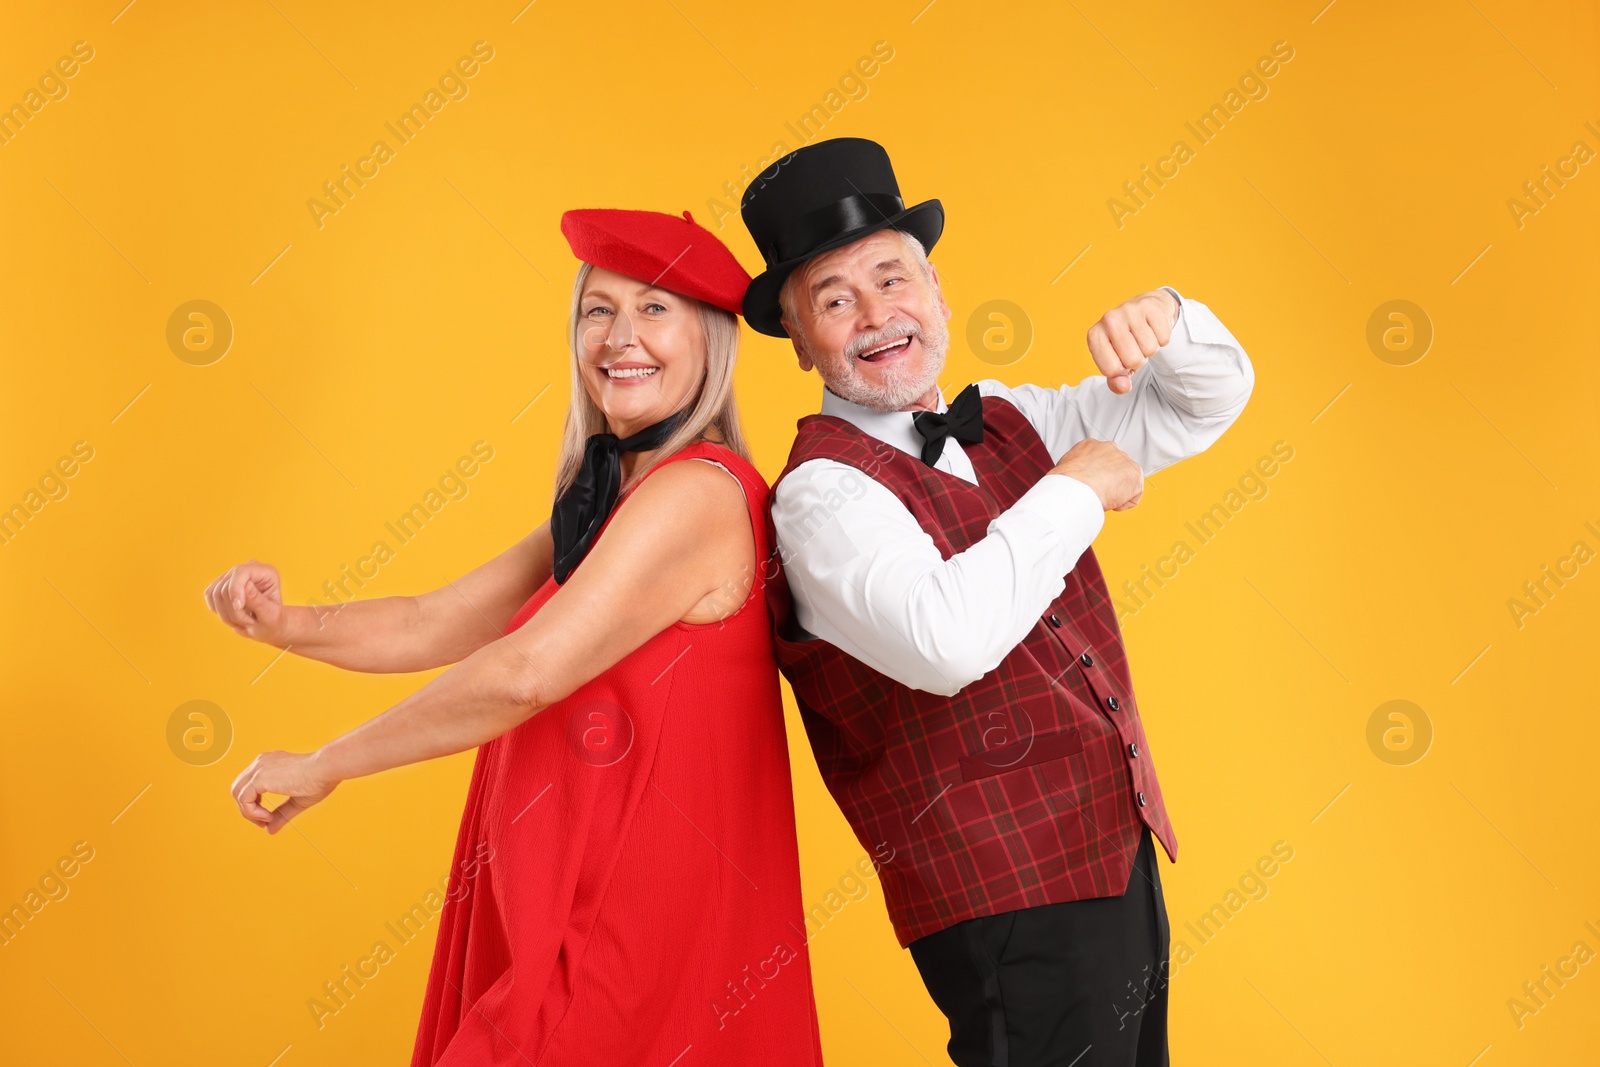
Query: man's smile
(889, 350)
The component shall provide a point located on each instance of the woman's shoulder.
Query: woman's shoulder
(682, 496)
(715, 453)
(677, 484)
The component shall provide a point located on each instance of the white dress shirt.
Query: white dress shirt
(868, 579)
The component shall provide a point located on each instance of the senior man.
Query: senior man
(952, 646)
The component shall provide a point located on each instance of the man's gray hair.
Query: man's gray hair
(913, 248)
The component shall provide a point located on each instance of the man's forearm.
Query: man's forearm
(1204, 372)
(985, 600)
(1181, 402)
(885, 595)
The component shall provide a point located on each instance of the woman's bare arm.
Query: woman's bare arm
(393, 634)
(679, 538)
(418, 633)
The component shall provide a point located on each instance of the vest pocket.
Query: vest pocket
(1018, 754)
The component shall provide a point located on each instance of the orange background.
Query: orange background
(371, 352)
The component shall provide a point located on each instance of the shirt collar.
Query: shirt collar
(891, 427)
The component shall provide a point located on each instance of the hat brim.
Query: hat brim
(924, 221)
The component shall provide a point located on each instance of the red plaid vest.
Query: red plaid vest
(1030, 786)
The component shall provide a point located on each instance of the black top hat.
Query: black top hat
(816, 199)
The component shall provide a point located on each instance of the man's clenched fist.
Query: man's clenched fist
(1130, 333)
(1105, 468)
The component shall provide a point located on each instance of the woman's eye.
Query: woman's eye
(655, 308)
(599, 311)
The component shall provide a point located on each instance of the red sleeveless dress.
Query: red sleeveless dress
(626, 884)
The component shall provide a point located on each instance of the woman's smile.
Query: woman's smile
(627, 374)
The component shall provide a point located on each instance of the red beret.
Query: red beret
(671, 251)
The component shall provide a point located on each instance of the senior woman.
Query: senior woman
(626, 884)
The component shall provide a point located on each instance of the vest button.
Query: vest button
(1111, 702)
(1141, 800)
(1055, 620)
(1133, 750)
(1086, 659)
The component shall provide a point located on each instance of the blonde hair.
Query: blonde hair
(710, 406)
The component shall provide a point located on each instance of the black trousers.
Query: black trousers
(1077, 984)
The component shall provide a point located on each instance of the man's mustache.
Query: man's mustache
(890, 331)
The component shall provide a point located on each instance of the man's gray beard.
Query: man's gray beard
(899, 388)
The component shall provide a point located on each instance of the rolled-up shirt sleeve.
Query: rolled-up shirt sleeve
(1182, 400)
(869, 580)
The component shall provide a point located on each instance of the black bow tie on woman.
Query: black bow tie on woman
(963, 420)
(583, 508)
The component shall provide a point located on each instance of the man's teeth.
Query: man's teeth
(884, 348)
(631, 372)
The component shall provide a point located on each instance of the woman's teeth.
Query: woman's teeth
(632, 372)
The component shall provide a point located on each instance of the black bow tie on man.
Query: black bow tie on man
(963, 420)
